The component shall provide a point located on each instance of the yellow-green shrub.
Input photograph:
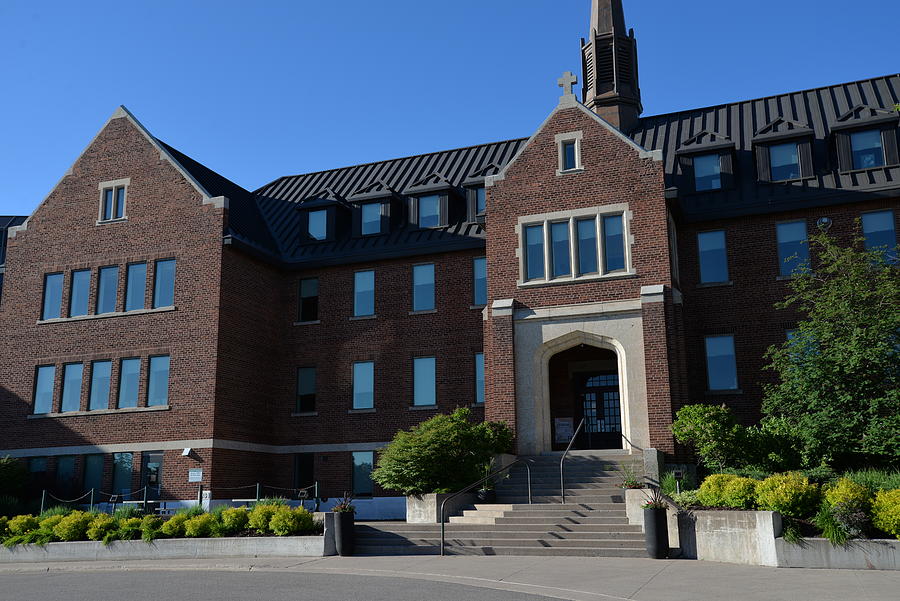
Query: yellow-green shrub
(234, 519)
(790, 494)
(712, 491)
(150, 527)
(101, 526)
(886, 512)
(261, 515)
(74, 526)
(740, 493)
(4, 531)
(174, 526)
(287, 522)
(49, 523)
(199, 526)
(129, 528)
(848, 493)
(22, 524)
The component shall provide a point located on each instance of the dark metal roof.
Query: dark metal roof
(7, 222)
(817, 112)
(279, 201)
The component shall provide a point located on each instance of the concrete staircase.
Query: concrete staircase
(591, 523)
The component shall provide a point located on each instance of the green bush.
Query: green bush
(101, 527)
(288, 522)
(686, 498)
(848, 492)
(174, 526)
(9, 505)
(886, 512)
(875, 480)
(746, 472)
(60, 510)
(740, 493)
(4, 530)
(713, 432)
(151, 527)
(199, 526)
(127, 511)
(260, 516)
(74, 526)
(270, 501)
(49, 523)
(712, 490)
(22, 524)
(442, 454)
(790, 494)
(129, 529)
(820, 475)
(668, 484)
(232, 520)
(13, 476)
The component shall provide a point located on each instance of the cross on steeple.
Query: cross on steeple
(566, 82)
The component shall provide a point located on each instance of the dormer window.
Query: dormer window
(370, 222)
(707, 172)
(318, 224)
(866, 148)
(784, 161)
(569, 150)
(429, 211)
(112, 200)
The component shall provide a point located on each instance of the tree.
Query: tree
(839, 389)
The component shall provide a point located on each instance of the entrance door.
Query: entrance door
(597, 399)
(151, 473)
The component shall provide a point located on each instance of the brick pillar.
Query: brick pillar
(658, 358)
(499, 364)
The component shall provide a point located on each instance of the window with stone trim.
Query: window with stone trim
(112, 201)
(568, 147)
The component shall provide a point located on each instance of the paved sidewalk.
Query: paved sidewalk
(578, 579)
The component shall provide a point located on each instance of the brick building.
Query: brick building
(164, 326)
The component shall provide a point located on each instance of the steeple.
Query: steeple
(609, 66)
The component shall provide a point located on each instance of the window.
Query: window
(309, 300)
(129, 378)
(113, 203)
(364, 293)
(793, 253)
(371, 218)
(304, 470)
(878, 228)
(423, 287)
(107, 288)
(721, 369)
(707, 172)
(429, 211)
(71, 386)
(53, 283)
(424, 381)
(363, 461)
(479, 378)
(44, 380)
(164, 284)
(98, 397)
(613, 243)
(65, 475)
(122, 468)
(586, 231)
(92, 478)
(480, 200)
(135, 286)
(306, 390)
(568, 146)
(784, 161)
(318, 224)
(866, 148)
(560, 262)
(569, 155)
(364, 385)
(37, 465)
(713, 257)
(158, 381)
(79, 290)
(151, 473)
(534, 252)
(479, 275)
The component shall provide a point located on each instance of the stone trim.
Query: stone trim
(114, 183)
(99, 412)
(502, 307)
(568, 311)
(653, 294)
(560, 139)
(42, 322)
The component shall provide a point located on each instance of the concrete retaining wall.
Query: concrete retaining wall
(426, 509)
(856, 555)
(746, 537)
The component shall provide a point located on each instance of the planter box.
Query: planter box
(634, 498)
(426, 509)
(856, 554)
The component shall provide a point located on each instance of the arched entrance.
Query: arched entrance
(584, 383)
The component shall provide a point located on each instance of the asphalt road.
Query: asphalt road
(236, 586)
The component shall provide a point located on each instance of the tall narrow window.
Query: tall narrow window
(71, 386)
(100, 377)
(713, 257)
(867, 149)
(371, 218)
(107, 288)
(793, 252)
(613, 243)
(304, 469)
(129, 380)
(878, 228)
(113, 203)
(309, 299)
(318, 224)
(158, 381)
(479, 378)
(151, 473)
(53, 283)
(364, 293)
(92, 478)
(479, 274)
(164, 284)
(424, 392)
(65, 475)
(306, 390)
(363, 462)
(135, 286)
(721, 368)
(586, 231)
(79, 291)
(429, 211)
(569, 155)
(423, 287)
(480, 200)
(784, 161)
(559, 249)
(534, 252)
(122, 473)
(363, 385)
(707, 172)
(44, 380)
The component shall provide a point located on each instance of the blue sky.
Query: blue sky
(256, 90)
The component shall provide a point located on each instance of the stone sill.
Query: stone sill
(423, 312)
(578, 280)
(477, 307)
(569, 171)
(307, 323)
(724, 392)
(110, 221)
(305, 414)
(354, 411)
(715, 284)
(362, 317)
(41, 322)
(99, 412)
(423, 408)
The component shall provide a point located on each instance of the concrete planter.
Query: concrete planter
(634, 498)
(426, 509)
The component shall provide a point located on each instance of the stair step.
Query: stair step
(555, 499)
(513, 551)
(370, 537)
(403, 528)
(562, 520)
(513, 542)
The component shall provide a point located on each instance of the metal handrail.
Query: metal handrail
(524, 462)
(562, 477)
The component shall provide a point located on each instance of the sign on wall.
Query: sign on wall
(195, 474)
(564, 428)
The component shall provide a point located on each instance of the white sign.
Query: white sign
(195, 474)
(565, 429)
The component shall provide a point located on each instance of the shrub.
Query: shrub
(192, 511)
(22, 524)
(151, 527)
(668, 484)
(199, 526)
(849, 493)
(232, 520)
(260, 516)
(74, 526)
(13, 476)
(886, 512)
(4, 531)
(442, 454)
(686, 498)
(740, 493)
(712, 431)
(9, 505)
(747, 472)
(790, 494)
(271, 501)
(60, 510)
(127, 511)
(101, 527)
(820, 475)
(174, 526)
(129, 529)
(875, 480)
(48, 524)
(712, 491)
(285, 522)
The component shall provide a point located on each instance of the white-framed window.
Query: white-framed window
(568, 146)
(574, 245)
(112, 200)
(424, 381)
(364, 385)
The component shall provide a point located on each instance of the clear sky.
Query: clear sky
(264, 88)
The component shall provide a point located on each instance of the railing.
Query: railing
(524, 462)
(562, 460)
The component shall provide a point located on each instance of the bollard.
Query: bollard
(257, 492)
(199, 495)
(43, 499)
